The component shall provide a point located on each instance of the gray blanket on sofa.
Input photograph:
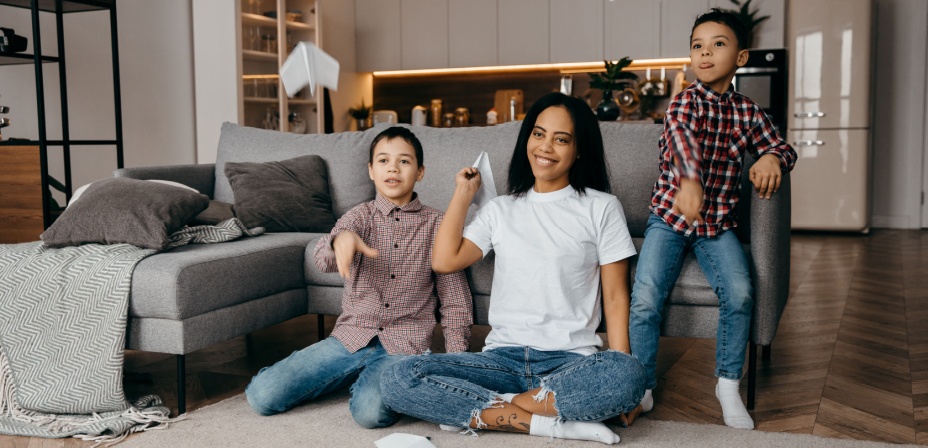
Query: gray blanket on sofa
(62, 333)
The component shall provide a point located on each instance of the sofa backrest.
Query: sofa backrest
(631, 155)
(345, 153)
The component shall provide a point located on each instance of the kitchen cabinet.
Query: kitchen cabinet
(677, 17)
(633, 29)
(377, 35)
(830, 179)
(424, 40)
(472, 33)
(576, 30)
(523, 32)
(830, 64)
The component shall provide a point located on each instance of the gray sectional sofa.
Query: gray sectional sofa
(197, 295)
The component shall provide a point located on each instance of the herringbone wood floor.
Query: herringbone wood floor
(850, 359)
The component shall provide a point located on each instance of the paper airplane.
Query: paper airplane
(487, 186)
(308, 65)
(403, 440)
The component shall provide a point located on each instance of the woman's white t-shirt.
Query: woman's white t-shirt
(549, 249)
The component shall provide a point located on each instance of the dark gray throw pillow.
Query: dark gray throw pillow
(216, 213)
(287, 196)
(122, 210)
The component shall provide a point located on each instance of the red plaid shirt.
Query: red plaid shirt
(393, 296)
(705, 137)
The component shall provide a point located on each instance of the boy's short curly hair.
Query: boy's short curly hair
(728, 19)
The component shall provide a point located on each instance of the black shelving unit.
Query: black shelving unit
(59, 8)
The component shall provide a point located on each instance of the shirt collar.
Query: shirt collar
(710, 94)
(384, 205)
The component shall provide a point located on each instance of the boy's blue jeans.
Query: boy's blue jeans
(324, 367)
(452, 388)
(723, 261)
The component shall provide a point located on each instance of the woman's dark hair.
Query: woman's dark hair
(589, 171)
(728, 19)
(398, 132)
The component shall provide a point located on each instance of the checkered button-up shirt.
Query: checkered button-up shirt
(394, 295)
(705, 137)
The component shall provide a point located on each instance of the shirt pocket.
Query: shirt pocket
(737, 145)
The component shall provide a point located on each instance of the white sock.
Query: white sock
(736, 415)
(451, 428)
(551, 427)
(647, 401)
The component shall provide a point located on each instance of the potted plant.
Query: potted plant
(614, 78)
(362, 115)
(748, 17)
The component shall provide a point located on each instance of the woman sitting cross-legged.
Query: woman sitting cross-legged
(562, 248)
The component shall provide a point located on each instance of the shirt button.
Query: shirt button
(392, 276)
(396, 246)
(397, 219)
(386, 305)
(396, 209)
(380, 329)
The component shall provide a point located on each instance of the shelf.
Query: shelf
(255, 19)
(58, 142)
(254, 99)
(252, 55)
(66, 5)
(301, 101)
(299, 26)
(23, 58)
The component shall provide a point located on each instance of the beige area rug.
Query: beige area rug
(327, 423)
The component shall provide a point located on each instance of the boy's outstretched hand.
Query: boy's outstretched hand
(688, 201)
(345, 245)
(766, 175)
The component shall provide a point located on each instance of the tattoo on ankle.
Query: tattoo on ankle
(509, 424)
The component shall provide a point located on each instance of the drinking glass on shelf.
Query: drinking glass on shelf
(254, 38)
(254, 6)
(248, 88)
(269, 43)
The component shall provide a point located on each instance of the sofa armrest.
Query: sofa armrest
(201, 177)
(770, 234)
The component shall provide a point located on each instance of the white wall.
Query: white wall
(899, 113)
(217, 66)
(338, 40)
(157, 86)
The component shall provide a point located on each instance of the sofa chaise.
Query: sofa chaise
(198, 295)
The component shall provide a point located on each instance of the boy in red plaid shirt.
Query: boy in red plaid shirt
(707, 130)
(383, 250)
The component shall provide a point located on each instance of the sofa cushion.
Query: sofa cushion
(283, 196)
(122, 210)
(198, 278)
(215, 213)
(345, 154)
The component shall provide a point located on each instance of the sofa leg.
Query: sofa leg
(181, 385)
(320, 326)
(765, 352)
(752, 373)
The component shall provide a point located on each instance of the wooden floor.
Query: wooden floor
(850, 359)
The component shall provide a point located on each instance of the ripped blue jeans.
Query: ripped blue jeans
(452, 388)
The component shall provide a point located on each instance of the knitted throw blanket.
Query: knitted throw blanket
(63, 319)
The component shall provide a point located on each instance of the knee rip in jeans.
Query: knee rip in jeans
(542, 395)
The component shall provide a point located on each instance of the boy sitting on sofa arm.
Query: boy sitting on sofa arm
(383, 249)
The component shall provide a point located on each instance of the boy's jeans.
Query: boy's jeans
(324, 367)
(723, 261)
(452, 388)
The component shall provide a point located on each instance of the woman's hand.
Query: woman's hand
(468, 179)
(345, 245)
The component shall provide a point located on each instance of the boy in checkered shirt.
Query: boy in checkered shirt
(383, 250)
(707, 130)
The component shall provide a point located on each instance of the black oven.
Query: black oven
(763, 79)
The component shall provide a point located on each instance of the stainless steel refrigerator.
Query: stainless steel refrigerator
(829, 108)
